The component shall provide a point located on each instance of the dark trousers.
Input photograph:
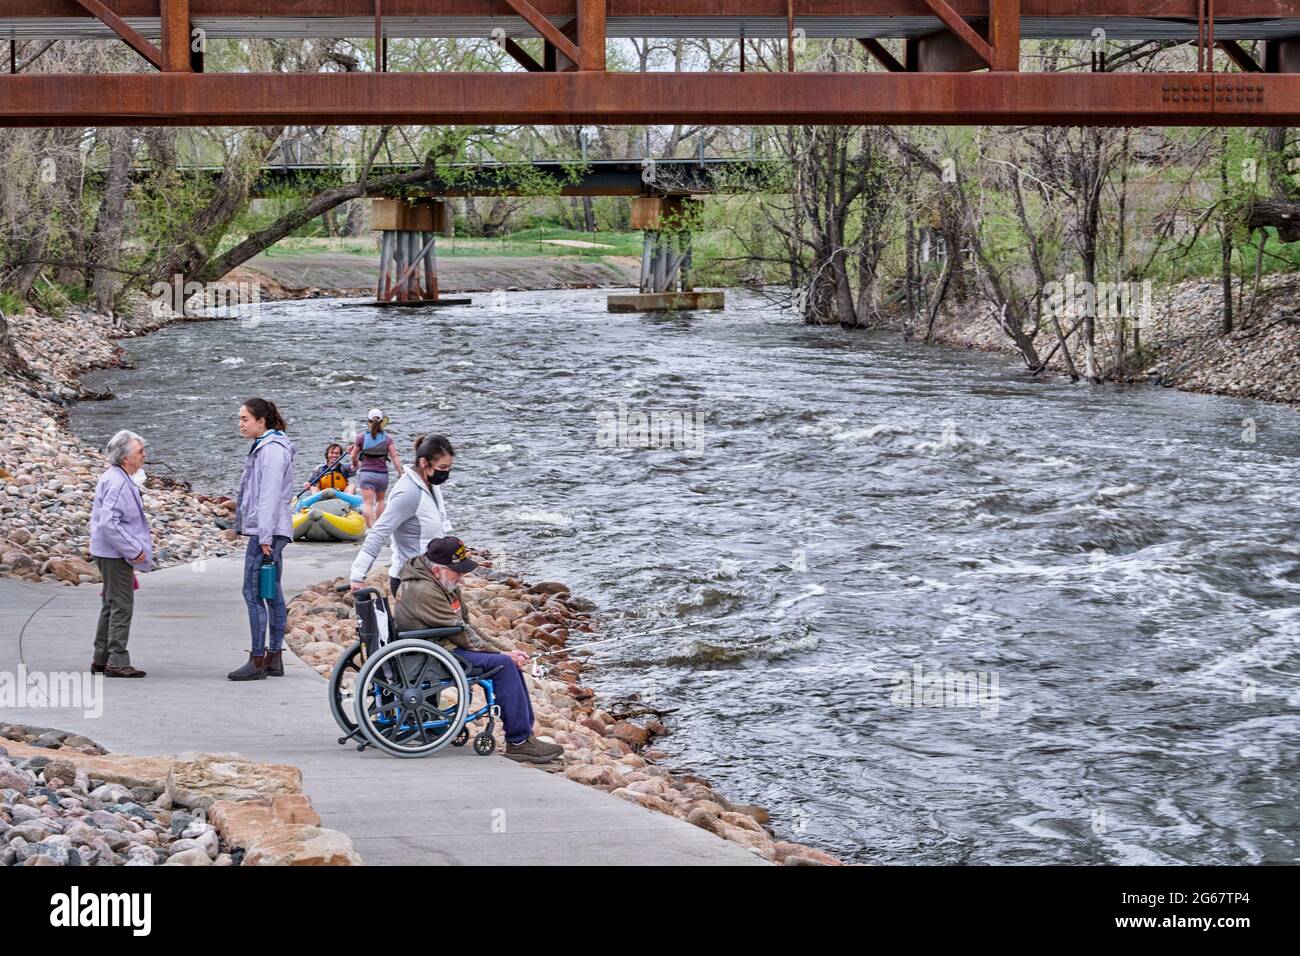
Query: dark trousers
(511, 693)
(118, 576)
(260, 611)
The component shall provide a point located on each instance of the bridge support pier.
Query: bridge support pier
(665, 223)
(408, 251)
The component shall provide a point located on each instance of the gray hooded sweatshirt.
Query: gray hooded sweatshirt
(265, 489)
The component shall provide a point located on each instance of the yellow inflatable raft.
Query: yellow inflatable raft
(329, 516)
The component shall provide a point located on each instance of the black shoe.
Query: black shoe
(275, 663)
(127, 671)
(255, 669)
(97, 668)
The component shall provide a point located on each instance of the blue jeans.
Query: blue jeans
(257, 610)
(510, 691)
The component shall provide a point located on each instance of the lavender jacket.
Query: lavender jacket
(118, 526)
(265, 490)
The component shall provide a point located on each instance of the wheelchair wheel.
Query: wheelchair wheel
(484, 744)
(399, 703)
(343, 681)
(462, 738)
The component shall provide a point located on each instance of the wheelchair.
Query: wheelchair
(392, 690)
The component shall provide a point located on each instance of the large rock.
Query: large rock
(111, 768)
(72, 569)
(60, 769)
(796, 854)
(198, 780)
(14, 778)
(241, 822)
(297, 844)
(630, 734)
(592, 774)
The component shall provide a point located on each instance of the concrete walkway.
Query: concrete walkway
(191, 628)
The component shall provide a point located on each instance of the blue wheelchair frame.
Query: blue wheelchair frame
(368, 600)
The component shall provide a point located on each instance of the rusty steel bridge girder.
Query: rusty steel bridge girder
(224, 99)
(934, 83)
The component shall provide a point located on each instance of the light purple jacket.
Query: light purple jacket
(265, 490)
(118, 526)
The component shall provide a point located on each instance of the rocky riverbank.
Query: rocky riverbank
(607, 747)
(1182, 344)
(48, 476)
(64, 801)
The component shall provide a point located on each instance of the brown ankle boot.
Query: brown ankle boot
(255, 669)
(275, 663)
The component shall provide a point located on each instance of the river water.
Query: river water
(921, 609)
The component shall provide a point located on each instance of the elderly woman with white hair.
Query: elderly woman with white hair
(121, 544)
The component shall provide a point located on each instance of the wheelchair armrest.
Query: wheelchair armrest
(430, 633)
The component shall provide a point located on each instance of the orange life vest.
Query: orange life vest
(333, 480)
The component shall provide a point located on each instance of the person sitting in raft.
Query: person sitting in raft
(335, 473)
(431, 597)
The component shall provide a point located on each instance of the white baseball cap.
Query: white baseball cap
(375, 414)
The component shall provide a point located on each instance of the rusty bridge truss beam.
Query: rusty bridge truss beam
(959, 63)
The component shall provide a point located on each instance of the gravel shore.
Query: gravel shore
(48, 476)
(52, 813)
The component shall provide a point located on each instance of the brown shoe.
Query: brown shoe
(533, 750)
(97, 668)
(275, 663)
(255, 669)
(127, 671)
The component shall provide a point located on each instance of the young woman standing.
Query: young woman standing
(262, 514)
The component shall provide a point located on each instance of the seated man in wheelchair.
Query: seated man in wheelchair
(430, 597)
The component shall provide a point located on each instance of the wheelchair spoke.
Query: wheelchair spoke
(396, 729)
(386, 686)
(419, 720)
(424, 669)
(434, 692)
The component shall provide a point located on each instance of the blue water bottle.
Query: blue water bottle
(266, 580)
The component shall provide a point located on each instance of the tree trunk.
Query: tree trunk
(106, 243)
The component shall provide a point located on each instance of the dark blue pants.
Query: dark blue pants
(257, 610)
(510, 690)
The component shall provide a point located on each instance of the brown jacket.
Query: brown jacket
(423, 602)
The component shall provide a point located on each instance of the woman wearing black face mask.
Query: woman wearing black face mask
(414, 514)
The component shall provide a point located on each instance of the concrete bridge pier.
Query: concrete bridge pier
(665, 224)
(408, 251)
